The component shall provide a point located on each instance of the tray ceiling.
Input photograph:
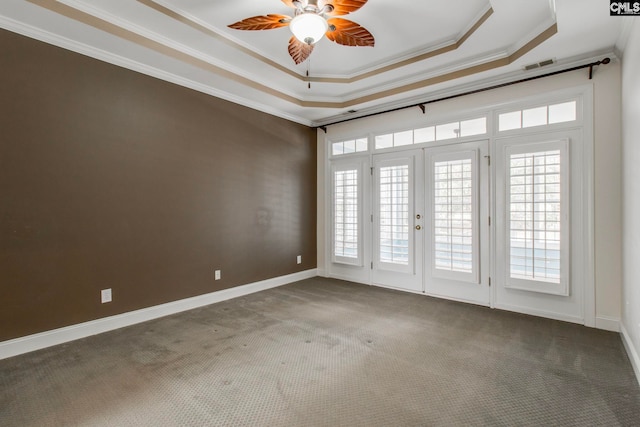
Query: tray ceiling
(423, 49)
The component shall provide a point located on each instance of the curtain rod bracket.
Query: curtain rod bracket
(423, 108)
(324, 128)
(605, 61)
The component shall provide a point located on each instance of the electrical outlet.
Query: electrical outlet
(299, 259)
(217, 275)
(105, 295)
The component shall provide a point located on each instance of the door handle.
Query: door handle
(418, 227)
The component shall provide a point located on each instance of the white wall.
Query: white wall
(321, 176)
(608, 194)
(607, 133)
(631, 195)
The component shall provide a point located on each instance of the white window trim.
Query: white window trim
(337, 166)
(435, 122)
(540, 102)
(561, 288)
(333, 157)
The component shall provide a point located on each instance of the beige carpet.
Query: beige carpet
(328, 353)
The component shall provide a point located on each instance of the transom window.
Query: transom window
(538, 116)
(442, 132)
(350, 146)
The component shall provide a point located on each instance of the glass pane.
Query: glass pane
(565, 112)
(473, 127)
(384, 141)
(362, 144)
(453, 213)
(338, 148)
(508, 121)
(394, 215)
(424, 135)
(535, 216)
(349, 147)
(345, 214)
(534, 117)
(448, 131)
(403, 138)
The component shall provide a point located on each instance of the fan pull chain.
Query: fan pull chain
(308, 70)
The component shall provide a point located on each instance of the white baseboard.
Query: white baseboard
(69, 333)
(540, 313)
(347, 279)
(631, 351)
(608, 323)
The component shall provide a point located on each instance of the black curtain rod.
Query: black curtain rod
(471, 92)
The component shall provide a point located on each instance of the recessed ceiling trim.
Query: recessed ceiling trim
(84, 49)
(536, 41)
(444, 77)
(185, 19)
(82, 6)
(108, 27)
(160, 8)
(409, 61)
(101, 24)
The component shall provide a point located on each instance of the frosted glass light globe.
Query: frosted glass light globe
(308, 27)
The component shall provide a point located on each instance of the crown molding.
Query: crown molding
(120, 61)
(113, 28)
(625, 33)
(177, 14)
(165, 41)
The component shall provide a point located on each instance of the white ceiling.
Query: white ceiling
(424, 48)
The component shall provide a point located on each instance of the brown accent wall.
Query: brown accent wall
(113, 179)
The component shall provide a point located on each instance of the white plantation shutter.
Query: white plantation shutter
(394, 214)
(455, 243)
(537, 228)
(347, 214)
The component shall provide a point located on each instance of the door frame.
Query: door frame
(413, 274)
(584, 94)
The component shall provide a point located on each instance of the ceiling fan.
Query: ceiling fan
(312, 20)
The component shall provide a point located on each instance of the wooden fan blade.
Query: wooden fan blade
(348, 33)
(291, 3)
(267, 22)
(344, 7)
(299, 51)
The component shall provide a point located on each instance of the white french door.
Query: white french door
(515, 233)
(457, 243)
(398, 200)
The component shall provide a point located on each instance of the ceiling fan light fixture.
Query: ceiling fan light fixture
(309, 28)
(313, 19)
